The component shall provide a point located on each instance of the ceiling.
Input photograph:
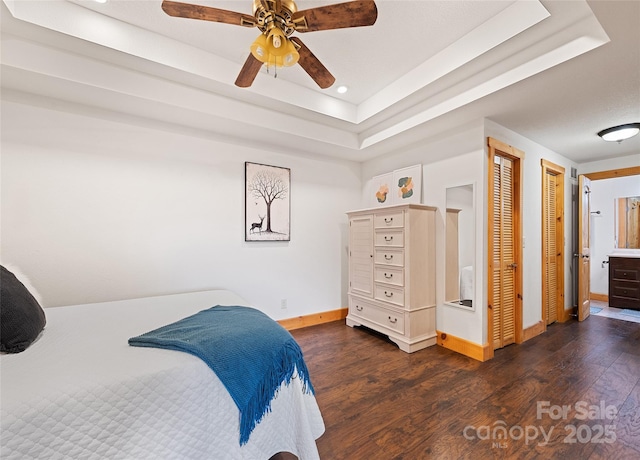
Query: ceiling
(556, 72)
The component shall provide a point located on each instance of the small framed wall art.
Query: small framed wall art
(407, 185)
(380, 190)
(267, 202)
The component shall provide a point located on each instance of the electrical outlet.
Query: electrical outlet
(283, 304)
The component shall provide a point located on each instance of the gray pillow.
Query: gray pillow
(21, 316)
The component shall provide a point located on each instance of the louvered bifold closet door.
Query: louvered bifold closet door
(551, 251)
(503, 254)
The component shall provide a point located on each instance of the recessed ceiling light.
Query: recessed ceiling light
(100, 1)
(342, 89)
(620, 133)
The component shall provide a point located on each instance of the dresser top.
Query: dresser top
(394, 208)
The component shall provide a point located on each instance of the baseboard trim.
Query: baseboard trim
(600, 297)
(314, 319)
(533, 331)
(464, 347)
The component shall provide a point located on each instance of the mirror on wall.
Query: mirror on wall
(627, 220)
(460, 247)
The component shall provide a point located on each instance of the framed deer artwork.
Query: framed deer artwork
(267, 208)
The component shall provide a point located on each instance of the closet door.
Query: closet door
(361, 255)
(551, 264)
(504, 265)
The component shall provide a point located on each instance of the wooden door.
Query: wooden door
(361, 255)
(584, 235)
(552, 243)
(550, 263)
(504, 266)
(505, 241)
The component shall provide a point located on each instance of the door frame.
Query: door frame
(584, 251)
(598, 175)
(557, 170)
(517, 156)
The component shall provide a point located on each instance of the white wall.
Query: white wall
(467, 168)
(602, 243)
(96, 210)
(531, 220)
(458, 158)
(449, 160)
(609, 164)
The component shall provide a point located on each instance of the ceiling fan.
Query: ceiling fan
(277, 20)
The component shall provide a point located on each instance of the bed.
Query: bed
(80, 391)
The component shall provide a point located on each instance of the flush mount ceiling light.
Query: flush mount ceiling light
(620, 133)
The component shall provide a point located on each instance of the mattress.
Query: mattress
(80, 391)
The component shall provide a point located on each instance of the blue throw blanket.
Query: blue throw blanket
(249, 352)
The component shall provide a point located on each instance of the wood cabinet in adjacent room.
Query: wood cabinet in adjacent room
(392, 273)
(624, 282)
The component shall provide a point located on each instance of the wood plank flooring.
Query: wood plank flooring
(381, 403)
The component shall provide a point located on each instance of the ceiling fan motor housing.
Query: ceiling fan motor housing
(272, 13)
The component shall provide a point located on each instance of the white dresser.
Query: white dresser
(392, 273)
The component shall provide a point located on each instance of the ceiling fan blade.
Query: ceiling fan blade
(310, 63)
(207, 13)
(248, 72)
(341, 15)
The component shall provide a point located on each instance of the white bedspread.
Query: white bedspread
(80, 391)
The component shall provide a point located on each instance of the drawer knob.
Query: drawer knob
(388, 275)
(388, 220)
(388, 257)
(388, 238)
(388, 294)
(393, 321)
(359, 308)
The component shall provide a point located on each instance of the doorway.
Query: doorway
(591, 285)
(504, 244)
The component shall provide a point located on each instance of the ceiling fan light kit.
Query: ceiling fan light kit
(275, 49)
(277, 20)
(620, 133)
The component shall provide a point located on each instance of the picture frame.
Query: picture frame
(267, 202)
(407, 185)
(381, 188)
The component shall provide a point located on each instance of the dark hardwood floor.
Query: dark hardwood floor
(381, 403)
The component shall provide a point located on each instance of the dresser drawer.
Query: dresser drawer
(621, 273)
(391, 275)
(389, 220)
(394, 257)
(391, 294)
(393, 238)
(627, 289)
(384, 317)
